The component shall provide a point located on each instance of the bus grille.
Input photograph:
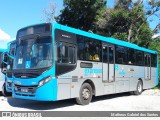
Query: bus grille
(29, 75)
(25, 89)
(25, 95)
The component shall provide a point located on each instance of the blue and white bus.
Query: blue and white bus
(2, 76)
(7, 87)
(55, 62)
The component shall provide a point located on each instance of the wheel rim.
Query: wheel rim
(139, 88)
(86, 94)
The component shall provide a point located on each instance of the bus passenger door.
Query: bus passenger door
(147, 72)
(108, 63)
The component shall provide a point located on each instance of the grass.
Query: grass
(157, 87)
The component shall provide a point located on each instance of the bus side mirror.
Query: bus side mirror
(4, 63)
(3, 68)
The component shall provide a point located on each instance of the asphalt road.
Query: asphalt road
(116, 102)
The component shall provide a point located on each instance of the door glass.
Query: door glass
(111, 58)
(105, 54)
(149, 61)
(146, 60)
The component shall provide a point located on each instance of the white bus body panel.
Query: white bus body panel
(126, 79)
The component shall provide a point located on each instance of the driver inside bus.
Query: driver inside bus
(96, 56)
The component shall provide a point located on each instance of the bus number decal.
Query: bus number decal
(122, 72)
(89, 71)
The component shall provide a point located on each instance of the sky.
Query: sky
(15, 14)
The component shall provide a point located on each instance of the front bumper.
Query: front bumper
(47, 92)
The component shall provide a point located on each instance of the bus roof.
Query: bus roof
(105, 39)
(8, 44)
(12, 41)
(98, 37)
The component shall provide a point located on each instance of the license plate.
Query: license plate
(24, 90)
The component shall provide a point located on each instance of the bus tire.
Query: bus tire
(85, 94)
(4, 92)
(139, 88)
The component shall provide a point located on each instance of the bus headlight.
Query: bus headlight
(44, 81)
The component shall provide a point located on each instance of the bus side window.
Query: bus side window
(65, 54)
(66, 58)
(121, 55)
(139, 58)
(153, 60)
(71, 54)
(131, 56)
(89, 49)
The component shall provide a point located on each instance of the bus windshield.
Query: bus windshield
(33, 53)
(10, 55)
(12, 49)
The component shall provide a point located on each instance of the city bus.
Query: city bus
(7, 87)
(55, 62)
(2, 76)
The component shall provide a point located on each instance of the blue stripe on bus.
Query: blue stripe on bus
(98, 37)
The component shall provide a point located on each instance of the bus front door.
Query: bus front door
(108, 63)
(147, 66)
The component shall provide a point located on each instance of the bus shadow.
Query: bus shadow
(43, 105)
(110, 96)
(40, 105)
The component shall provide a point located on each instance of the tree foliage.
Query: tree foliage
(128, 20)
(153, 13)
(155, 45)
(81, 14)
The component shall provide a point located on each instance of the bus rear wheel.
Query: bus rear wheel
(139, 88)
(85, 94)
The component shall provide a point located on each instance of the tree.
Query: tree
(48, 13)
(153, 13)
(127, 21)
(155, 45)
(81, 14)
(144, 11)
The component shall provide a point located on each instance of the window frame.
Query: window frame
(143, 64)
(68, 45)
(129, 58)
(63, 68)
(125, 55)
(85, 40)
(155, 60)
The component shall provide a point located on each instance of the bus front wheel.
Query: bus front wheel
(85, 94)
(4, 92)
